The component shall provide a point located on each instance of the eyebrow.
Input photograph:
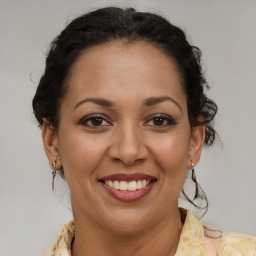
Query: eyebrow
(147, 102)
(156, 100)
(98, 101)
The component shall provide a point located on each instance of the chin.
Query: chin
(128, 221)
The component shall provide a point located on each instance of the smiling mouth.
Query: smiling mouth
(128, 187)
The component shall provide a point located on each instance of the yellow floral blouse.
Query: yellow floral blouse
(192, 241)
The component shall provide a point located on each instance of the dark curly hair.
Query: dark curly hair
(112, 23)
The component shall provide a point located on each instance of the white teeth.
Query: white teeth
(110, 183)
(132, 185)
(123, 185)
(116, 184)
(139, 184)
(127, 186)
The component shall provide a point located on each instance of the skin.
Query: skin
(126, 141)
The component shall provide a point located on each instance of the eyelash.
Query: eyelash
(167, 119)
(84, 121)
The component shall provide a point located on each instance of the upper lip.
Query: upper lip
(128, 177)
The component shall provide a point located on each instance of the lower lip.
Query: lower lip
(128, 196)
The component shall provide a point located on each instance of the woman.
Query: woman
(124, 116)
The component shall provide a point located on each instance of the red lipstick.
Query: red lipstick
(128, 177)
(128, 195)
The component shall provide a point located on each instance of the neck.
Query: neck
(158, 240)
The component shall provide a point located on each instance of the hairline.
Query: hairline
(125, 41)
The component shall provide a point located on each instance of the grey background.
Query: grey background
(30, 215)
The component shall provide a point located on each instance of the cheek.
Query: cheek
(80, 155)
(172, 156)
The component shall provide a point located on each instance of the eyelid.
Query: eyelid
(170, 120)
(85, 119)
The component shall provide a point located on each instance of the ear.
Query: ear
(50, 141)
(196, 145)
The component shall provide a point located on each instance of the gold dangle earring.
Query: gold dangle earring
(193, 177)
(53, 173)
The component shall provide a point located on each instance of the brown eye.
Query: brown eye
(158, 121)
(97, 121)
(94, 121)
(161, 121)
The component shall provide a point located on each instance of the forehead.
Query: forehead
(121, 68)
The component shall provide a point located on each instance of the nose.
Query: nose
(128, 146)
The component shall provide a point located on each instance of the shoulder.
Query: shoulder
(64, 241)
(237, 244)
(50, 251)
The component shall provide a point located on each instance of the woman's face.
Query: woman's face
(124, 139)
